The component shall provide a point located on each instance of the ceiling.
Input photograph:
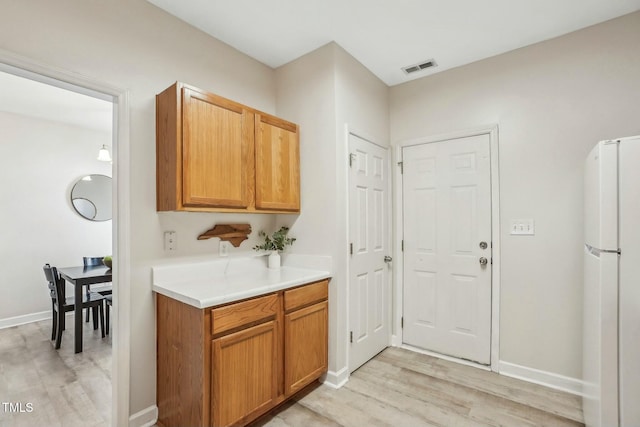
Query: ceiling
(386, 35)
(19, 95)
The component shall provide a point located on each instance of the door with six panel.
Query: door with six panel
(369, 303)
(446, 190)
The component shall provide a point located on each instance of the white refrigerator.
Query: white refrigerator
(611, 337)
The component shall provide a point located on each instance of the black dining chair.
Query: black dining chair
(108, 299)
(89, 261)
(62, 304)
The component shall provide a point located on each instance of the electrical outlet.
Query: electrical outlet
(224, 248)
(170, 241)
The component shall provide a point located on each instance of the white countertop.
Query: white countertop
(204, 284)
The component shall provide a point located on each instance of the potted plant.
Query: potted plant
(275, 243)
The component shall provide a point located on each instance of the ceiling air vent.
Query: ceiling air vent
(419, 67)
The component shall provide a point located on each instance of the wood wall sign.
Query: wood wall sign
(234, 233)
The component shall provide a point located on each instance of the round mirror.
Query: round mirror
(91, 197)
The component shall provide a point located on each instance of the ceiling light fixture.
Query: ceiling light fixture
(103, 154)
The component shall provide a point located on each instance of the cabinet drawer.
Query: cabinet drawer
(305, 295)
(243, 313)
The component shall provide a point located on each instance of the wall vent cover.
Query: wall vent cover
(430, 63)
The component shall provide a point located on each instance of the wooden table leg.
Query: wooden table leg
(78, 318)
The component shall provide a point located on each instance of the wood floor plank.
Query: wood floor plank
(64, 388)
(349, 408)
(293, 414)
(543, 398)
(438, 413)
(404, 388)
(479, 406)
(397, 388)
(411, 383)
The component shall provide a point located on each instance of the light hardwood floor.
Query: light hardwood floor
(397, 388)
(403, 388)
(65, 389)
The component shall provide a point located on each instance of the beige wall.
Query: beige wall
(323, 91)
(133, 45)
(362, 106)
(552, 102)
(306, 95)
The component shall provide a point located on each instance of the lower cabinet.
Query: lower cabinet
(227, 365)
(245, 374)
(305, 335)
(305, 346)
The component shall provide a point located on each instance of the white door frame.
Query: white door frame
(351, 131)
(398, 258)
(44, 73)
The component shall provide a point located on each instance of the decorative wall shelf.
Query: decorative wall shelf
(234, 233)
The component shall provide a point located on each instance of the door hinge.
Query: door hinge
(351, 336)
(350, 248)
(352, 158)
(402, 245)
(402, 322)
(401, 164)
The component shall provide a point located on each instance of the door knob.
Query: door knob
(483, 261)
(387, 258)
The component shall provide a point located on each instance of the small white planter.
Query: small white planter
(274, 260)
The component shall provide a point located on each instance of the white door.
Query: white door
(446, 189)
(369, 292)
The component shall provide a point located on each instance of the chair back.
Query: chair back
(89, 261)
(56, 284)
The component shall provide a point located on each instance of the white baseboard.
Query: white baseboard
(544, 378)
(336, 379)
(27, 318)
(145, 418)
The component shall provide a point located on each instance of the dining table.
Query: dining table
(80, 277)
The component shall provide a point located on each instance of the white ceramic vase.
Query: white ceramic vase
(274, 260)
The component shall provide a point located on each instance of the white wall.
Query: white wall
(132, 44)
(322, 92)
(362, 106)
(362, 100)
(306, 95)
(40, 161)
(552, 101)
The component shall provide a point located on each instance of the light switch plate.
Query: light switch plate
(522, 227)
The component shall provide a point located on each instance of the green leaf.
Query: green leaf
(277, 241)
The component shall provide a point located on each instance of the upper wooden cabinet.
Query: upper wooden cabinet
(277, 164)
(217, 146)
(214, 154)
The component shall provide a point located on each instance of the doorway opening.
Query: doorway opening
(56, 108)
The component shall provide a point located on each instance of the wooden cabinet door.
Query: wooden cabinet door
(305, 346)
(277, 160)
(244, 374)
(217, 151)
